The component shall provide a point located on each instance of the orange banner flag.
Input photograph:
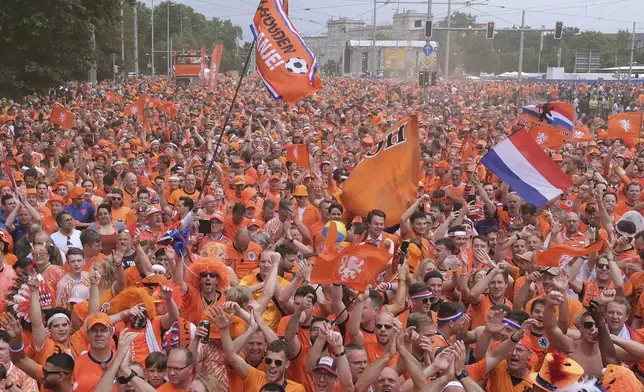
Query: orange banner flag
(581, 134)
(170, 109)
(134, 109)
(387, 177)
(551, 256)
(624, 125)
(354, 267)
(298, 154)
(467, 149)
(62, 117)
(112, 97)
(547, 136)
(286, 66)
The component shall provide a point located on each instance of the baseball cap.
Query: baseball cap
(217, 216)
(98, 318)
(327, 364)
(239, 180)
(76, 193)
(78, 294)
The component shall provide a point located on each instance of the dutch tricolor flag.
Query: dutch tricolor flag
(521, 163)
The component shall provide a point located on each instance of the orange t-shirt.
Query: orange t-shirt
(575, 308)
(242, 263)
(64, 176)
(257, 379)
(169, 387)
(479, 311)
(179, 193)
(230, 227)
(85, 367)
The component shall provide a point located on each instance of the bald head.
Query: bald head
(242, 239)
(571, 223)
(388, 380)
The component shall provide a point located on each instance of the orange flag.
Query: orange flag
(112, 97)
(354, 267)
(62, 117)
(467, 148)
(547, 136)
(387, 177)
(170, 109)
(134, 109)
(624, 125)
(581, 134)
(551, 256)
(298, 154)
(286, 66)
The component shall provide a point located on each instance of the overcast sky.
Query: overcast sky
(310, 16)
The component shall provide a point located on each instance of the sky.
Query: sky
(310, 16)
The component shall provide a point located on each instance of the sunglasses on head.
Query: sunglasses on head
(269, 361)
(588, 324)
(208, 275)
(385, 326)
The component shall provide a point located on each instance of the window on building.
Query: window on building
(418, 24)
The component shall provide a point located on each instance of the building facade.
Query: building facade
(347, 48)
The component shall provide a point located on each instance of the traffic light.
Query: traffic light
(423, 78)
(428, 29)
(490, 30)
(558, 30)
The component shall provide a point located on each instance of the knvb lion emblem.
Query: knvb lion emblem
(541, 138)
(625, 124)
(578, 134)
(350, 267)
(63, 117)
(296, 153)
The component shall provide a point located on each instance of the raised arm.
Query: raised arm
(173, 311)
(356, 317)
(559, 340)
(38, 330)
(232, 358)
(371, 372)
(18, 357)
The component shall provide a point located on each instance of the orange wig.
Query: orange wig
(208, 264)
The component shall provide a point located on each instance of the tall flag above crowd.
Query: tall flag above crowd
(285, 64)
(395, 161)
(215, 62)
(521, 163)
(550, 124)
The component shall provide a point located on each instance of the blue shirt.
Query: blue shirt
(83, 214)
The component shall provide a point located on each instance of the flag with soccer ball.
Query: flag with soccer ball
(286, 65)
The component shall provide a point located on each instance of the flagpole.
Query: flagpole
(223, 129)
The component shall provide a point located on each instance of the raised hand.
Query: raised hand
(555, 298)
(166, 293)
(606, 296)
(493, 322)
(459, 357)
(219, 318)
(11, 324)
(232, 307)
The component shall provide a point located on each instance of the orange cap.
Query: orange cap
(98, 318)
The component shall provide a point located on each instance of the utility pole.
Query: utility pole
(540, 49)
(168, 40)
(92, 70)
(630, 63)
(447, 39)
(373, 48)
(136, 39)
(181, 21)
(521, 45)
(122, 38)
(152, 42)
(559, 57)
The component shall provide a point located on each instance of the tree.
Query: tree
(46, 43)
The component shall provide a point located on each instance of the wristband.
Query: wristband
(462, 375)
(125, 380)
(341, 354)
(390, 286)
(17, 349)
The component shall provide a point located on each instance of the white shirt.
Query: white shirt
(62, 242)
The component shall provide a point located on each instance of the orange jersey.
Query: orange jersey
(242, 263)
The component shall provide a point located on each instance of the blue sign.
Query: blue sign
(428, 49)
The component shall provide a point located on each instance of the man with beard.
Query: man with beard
(55, 374)
(495, 283)
(276, 360)
(369, 327)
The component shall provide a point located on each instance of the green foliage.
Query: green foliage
(46, 43)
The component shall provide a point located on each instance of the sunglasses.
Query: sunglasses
(385, 326)
(117, 198)
(424, 300)
(269, 361)
(208, 275)
(46, 373)
(603, 266)
(588, 324)
(151, 285)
